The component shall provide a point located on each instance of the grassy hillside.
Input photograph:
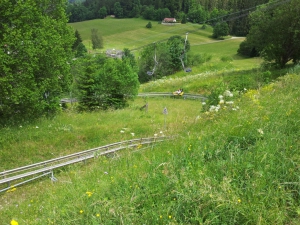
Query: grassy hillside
(132, 33)
(237, 163)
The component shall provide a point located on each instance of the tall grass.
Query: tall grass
(227, 167)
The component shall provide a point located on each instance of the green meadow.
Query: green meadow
(132, 33)
(237, 163)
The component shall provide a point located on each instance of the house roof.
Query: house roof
(169, 19)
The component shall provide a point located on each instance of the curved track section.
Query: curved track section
(167, 94)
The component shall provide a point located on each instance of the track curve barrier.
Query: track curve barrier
(18, 176)
(168, 94)
(152, 94)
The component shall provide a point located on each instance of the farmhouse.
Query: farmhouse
(169, 20)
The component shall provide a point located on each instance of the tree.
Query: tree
(106, 82)
(178, 47)
(198, 15)
(78, 47)
(78, 39)
(36, 45)
(275, 32)
(220, 30)
(163, 64)
(80, 50)
(184, 19)
(97, 41)
(118, 10)
(102, 12)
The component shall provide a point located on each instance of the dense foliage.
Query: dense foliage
(275, 33)
(163, 58)
(102, 83)
(36, 45)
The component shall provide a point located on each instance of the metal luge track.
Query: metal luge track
(168, 94)
(18, 176)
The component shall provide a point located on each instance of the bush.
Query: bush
(149, 25)
(226, 58)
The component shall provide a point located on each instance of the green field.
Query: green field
(132, 33)
(237, 164)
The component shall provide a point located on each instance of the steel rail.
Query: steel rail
(37, 170)
(168, 94)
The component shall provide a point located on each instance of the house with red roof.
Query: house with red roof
(169, 20)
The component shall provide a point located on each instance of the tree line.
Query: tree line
(196, 11)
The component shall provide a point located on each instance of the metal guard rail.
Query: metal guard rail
(168, 94)
(37, 170)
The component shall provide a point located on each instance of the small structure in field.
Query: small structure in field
(169, 21)
(113, 53)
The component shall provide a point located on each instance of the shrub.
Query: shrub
(149, 25)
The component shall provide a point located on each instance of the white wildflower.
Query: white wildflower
(132, 134)
(260, 131)
(228, 93)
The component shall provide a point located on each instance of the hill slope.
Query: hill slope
(237, 165)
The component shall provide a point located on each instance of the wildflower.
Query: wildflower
(20, 126)
(89, 193)
(221, 101)
(105, 172)
(239, 200)
(14, 222)
(12, 189)
(170, 216)
(160, 216)
(220, 96)
(36, 127)
(132, 134)
(203, 103)
(260, 131)
(228, 93)
(81, 211)
(155, 135)
(98, 215)
(122, 131)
